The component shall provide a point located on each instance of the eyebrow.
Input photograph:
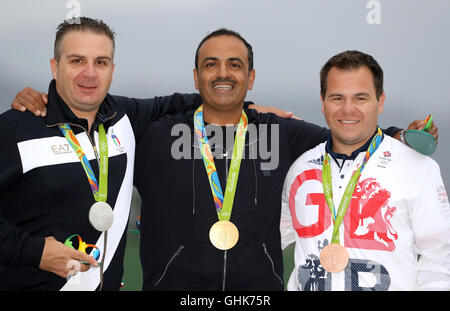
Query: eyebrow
(357, 94)
(362, 94)
(209, 58)
(334, 95)
(234, 59)
(238, 59)
(81, 56)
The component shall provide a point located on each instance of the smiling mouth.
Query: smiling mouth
(223, 87)
(349, 121)
(87, 87)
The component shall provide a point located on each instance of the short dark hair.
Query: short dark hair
(81, 24)
(227, 32)
(349, 61)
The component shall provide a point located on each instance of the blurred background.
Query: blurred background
(292, 39)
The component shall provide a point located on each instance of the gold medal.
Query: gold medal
(223, 234)
(334, 258)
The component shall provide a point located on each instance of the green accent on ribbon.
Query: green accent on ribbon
(348, 193)
(224, 205)
(99, 190)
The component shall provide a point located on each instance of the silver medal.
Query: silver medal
(101, 216)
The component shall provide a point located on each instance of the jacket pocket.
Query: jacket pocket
(272, 264)
(177, 253)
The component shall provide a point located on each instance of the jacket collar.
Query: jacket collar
(58, 112)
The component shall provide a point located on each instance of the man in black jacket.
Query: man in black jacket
(179, 208)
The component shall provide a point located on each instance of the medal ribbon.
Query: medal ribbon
(223, 205)
(348, 193)
(99, 190)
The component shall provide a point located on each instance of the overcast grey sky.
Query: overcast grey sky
(156, 42)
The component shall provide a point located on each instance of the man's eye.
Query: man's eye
(210, 65)
(235, 65)
(102, 62)
(76, 61)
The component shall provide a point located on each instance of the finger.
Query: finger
(32, 103)
(435, 132)
(416, 125)
(44, 97)
(288, 114)
(29, 102)
(84, 267)
(45, 100)
(72, 268)
(37, 99)
(16, 106)
(84, 257)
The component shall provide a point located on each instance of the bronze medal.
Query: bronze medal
(334, 258)
(224, 235)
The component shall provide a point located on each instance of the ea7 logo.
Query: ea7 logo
(61, 149)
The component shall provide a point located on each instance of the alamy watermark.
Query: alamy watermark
(373, 17)
(73, 16)
(263, 143)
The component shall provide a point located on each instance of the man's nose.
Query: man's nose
(348, 105)
(222, 71)
(90, 71)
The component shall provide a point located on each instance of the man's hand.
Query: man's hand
(274, 110)
(63, 260)
(32, 100)
(419, 125)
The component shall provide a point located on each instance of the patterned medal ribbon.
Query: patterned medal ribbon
(347, 196)
(223, 205)
(99, 190)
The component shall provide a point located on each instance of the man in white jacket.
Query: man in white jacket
(365, 211)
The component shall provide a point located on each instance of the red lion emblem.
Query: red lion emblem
(369, 225)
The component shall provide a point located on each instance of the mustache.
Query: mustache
(221, 80)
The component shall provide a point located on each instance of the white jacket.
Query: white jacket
(396, 229)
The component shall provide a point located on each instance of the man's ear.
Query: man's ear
(251, 78)
(54, 67)
(195, 78)
(321, 100)
(381, 103)
(112, 73)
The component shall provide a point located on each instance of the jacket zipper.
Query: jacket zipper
(97, 156)
(225, 155)
(224, 269)
(225, 252)
(180, 248)
(271, 262)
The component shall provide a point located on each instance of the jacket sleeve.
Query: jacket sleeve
(304, 136)
(144, 111)
(430, 222)
(16, 246)
(391, 131)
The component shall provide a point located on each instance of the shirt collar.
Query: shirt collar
(355, 153)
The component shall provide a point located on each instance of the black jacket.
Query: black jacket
(44, 190)
(178, 208)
